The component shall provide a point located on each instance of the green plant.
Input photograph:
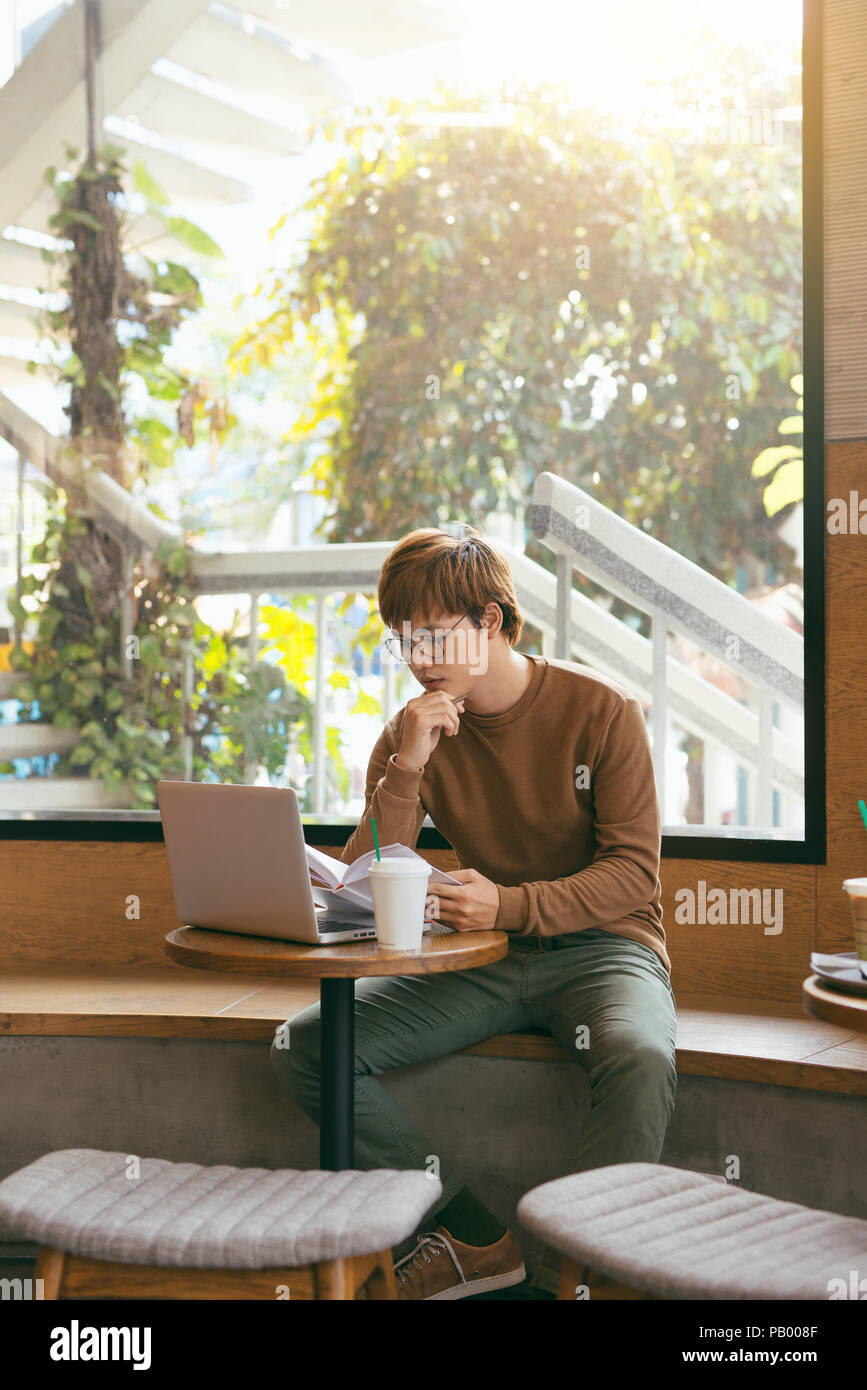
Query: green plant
(122, 309)
(290, 637)
(784, 461)
(132, 725)
(124, 690)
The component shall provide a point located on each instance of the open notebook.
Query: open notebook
(344, 889)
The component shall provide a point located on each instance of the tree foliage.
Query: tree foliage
(490, 301)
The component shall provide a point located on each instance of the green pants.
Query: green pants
(607, 1000)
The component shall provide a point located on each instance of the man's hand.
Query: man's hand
(471, 906)
(426, 717)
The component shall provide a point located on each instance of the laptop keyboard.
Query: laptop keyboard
(339, 926)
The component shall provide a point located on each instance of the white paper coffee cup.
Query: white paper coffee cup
(399, 888)
(857, 890)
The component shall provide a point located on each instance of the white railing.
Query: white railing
(584, 535)
(679, 596)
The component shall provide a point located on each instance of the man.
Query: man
(538, 772)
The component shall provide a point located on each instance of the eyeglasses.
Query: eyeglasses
(402, 648)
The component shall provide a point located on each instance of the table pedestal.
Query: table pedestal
(336, 967)
(337, 1074)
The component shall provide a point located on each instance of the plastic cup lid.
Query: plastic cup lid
(399, 867)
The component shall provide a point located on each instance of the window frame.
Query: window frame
(812, 848)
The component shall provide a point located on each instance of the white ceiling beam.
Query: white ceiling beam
(148, 235)
(352, 30)
(19, 321)
(23, 268)
(14, 372)
(44, 101)
(225, 53)
(168, 107)
(179, 177)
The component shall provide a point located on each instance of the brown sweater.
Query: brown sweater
(568, 849)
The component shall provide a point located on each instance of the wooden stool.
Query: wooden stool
(111, 1225)
(647, 1231)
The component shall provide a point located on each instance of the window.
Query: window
(553, 279)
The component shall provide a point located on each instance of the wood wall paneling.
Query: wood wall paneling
(845, 217)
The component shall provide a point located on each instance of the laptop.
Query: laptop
(237, 861)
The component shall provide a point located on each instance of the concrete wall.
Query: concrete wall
(508, 1125)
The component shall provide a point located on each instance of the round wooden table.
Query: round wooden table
(832, 1005)
(337, 968)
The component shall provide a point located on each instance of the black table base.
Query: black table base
(337, 1074)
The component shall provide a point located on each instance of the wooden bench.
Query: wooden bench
(735, 1039)
(76, 965)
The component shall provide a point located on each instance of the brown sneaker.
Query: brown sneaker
(442, 1267)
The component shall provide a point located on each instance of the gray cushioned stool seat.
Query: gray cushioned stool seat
(678, 1234)
(191, 1216)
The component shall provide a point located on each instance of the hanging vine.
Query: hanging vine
(122, 687)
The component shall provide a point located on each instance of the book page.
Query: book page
(330, 871)
(358, 868)
(354, 891)
(357, 894)
(339, 908)
(440, 876)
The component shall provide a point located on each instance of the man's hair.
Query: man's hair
(431, 571)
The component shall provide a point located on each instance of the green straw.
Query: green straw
(863, 809)
(376, 841)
